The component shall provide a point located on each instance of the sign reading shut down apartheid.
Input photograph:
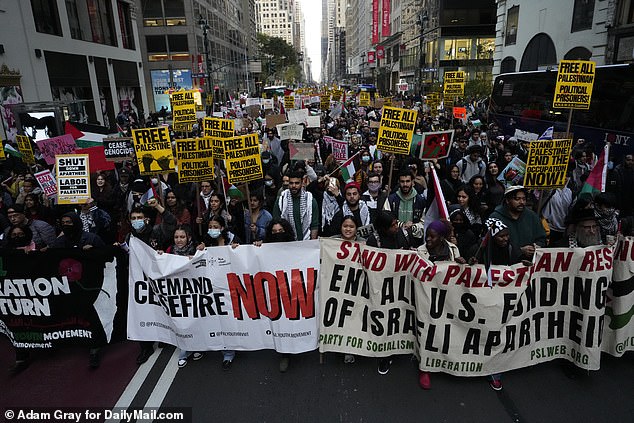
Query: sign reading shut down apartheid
(195, 162)
(381, 302)
(396, 130)
(247, 298)
(215, 130)
(183, 110)
(242, 159)
(575, 79)
(73, 178)
(153, 150)
(547, 164)
(58, 297)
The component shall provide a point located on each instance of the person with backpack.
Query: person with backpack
(471, 164)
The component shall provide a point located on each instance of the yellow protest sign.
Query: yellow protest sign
(195, 162)
(387, 101)
(453, 84)
(289, 102)
(72, 172)
(575, 79)
(396, 130)
(364, 99)
(183, 110)
(547, 164)
(324, 101)
(243, 161)
(2, 155)
(336, 95)
(25, 147)
(153, 150)
(215, 130)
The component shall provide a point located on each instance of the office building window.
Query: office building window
(512, 17)
(125, 23)
(91, 20)
(582, 15)
(46, 17)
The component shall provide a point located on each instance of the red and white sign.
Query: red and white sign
(371, 56)
(403, 86)
(375, 21)
(380, 52)
(47, 182)
(385, 19)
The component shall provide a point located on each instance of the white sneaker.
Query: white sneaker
(182, 363)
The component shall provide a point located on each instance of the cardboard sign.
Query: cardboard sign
(301, 151)
(273, 120)
(525, 135)
(253, 111)
(24, 145)
(453, 84)
(387, 101)
(73, 178)
(575, 79)
(215, 130)
(547, 164)
(153, 150)
(375, 124)
(268, 103)
(46, 180)
(290, 131)
(195, 162)
(118, 149)
(64, 144)
(297, 116)
(435, 145)
(364, 99)
(183, 110)
(242, 158)
(513, 173)
(313, 122)
(396, 130)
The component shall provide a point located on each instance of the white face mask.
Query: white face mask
(214, 233)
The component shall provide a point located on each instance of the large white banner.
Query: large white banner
(247, 298)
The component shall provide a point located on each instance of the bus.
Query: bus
(523, 101)
(273, 90)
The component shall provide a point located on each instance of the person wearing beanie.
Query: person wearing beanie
(43, 233)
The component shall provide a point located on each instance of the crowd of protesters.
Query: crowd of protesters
(385, 200)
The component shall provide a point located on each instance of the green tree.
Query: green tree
(279, 60)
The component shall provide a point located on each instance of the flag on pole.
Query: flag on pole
(348, 170)
(437, 208)
(231, 191)
(548, 134)
(596, 180)
(149, 194)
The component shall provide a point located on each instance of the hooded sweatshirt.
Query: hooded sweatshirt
(525, 230)
(76, 237)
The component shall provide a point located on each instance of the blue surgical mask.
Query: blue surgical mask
(610, 165)
(268, 183)
(366, 159)
(266, 161)
(138, 224)
(214, 233)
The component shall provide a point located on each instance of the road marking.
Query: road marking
(164, 383)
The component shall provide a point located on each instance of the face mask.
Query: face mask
(138, 224)
(214, 233)
(610, 165)
(280, 237)
(366, 159)
(266, 161)
(154, 181)
(67, 228)
(374, 186)
(268, 183)
(459, 227)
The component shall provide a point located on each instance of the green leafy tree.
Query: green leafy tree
(279, 60)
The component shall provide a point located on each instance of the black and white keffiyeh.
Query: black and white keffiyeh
(495, 225)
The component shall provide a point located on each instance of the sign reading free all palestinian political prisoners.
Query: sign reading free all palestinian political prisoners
(547, 164)
(396, 130)
(183, 110)
(195, 162)
(153, 150)
(216, 130)
(242, 159)
(575, 79)
(73, 178)
(58, 297)
(24, 145)
(453, 84)
(247, 298)
(381, 302)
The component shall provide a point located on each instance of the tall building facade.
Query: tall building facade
(172, 39)
(86, 57)
(276, 19)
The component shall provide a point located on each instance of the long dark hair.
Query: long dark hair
(473, 203)
(288, 231)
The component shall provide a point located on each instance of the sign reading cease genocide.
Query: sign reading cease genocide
(242, 158)
(396, 130)
(153, 150)
(575, 79)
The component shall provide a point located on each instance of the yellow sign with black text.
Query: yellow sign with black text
(153, 150)
(575, 79)
(195, 162)
(289, 102)
(183, 110)
(324, 101)
(242, 159)
(216, 130)
(453, 84)
(396, 130)
(25, 147)
(547, 164)
(364, 99)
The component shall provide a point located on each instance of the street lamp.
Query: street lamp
(205, 27)
(422, 20)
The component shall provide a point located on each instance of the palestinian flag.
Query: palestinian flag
(348, 170)
(9, 149)
(69, 128)
(437, 206)
(596, 180)
(231, 191)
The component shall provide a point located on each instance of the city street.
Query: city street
(254, 390)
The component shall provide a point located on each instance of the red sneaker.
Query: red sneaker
(423, 380)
